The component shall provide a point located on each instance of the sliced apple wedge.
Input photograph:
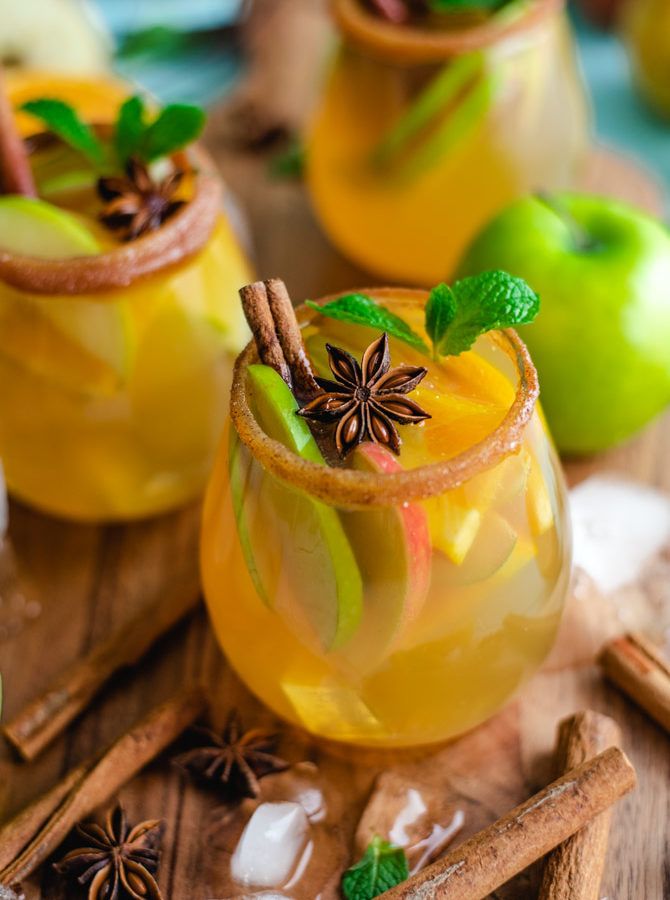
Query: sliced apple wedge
(494, 544)
(297, 551)
(393, 549)
(81, 344)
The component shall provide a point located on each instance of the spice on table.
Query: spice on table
(480, 865)
(638, 668)
(573, 871)
(116, 861)
(235, 760)
(365, 400)
(137, 203)
(39, 723)
(100, 782)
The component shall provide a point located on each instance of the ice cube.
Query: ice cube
(271, 845)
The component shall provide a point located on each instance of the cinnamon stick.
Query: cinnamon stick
(39, 723)
(638, 668)
(272, 320)
(290, 338)
(574, 870)
(121, 762)
(490, 858)
(20, 830)
(16, 176)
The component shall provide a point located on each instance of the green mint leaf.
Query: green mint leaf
(362, 310)
(441, 311)
(130, 129)
(156, 42)
(63, 120)
(176, 126)
(486, 302)
(290, 163)
(382, 867)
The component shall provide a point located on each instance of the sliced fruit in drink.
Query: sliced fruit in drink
(538, 501)
(319, 588)
(31, 227)
(501, 484)
(453, 525)
(393, 550)
(492, 547)
(82, 344)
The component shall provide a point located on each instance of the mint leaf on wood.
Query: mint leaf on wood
(176, 126)
(382, 867)
(130, 129)
(64, 121)
(484, 303)
(360, 309)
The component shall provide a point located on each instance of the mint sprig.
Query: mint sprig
(360, 309)
(62, 119)
(382, 867)
(455, 316)
(174, 127)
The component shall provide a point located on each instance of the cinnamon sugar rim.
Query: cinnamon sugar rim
(182, 235)
(349, 488)
(414, 44)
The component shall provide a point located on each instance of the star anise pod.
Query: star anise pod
(234, 760)
(137, 204)
(366, 399)
(117, 861)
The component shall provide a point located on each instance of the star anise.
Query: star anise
(366, 399)
(118, 861)
(137, 204)
(234, 760)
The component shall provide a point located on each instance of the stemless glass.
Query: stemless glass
(422, 134)
(437, 647)
(115, 368)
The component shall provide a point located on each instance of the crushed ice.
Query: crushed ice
(271, 846)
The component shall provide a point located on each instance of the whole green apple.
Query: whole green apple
(601, 342)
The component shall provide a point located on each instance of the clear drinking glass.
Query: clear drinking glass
(423, 133)
(403, 603)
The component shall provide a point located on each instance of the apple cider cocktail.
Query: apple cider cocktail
(429, 126)
(386, 562)
(119, 319)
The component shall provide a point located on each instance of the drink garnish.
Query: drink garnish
(367, 398)
(116, 860)
(235, 760)
(383, 866)
(456, 315)
(400, 11)
(171, 129)
(136, 203)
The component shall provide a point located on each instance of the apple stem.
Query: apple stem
(581, 239)
(16, 175)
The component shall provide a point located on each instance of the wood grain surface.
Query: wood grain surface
(90, 579)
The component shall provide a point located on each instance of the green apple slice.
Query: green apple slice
(80, 344)
(318, 585)
(31, 227)
(393, 549)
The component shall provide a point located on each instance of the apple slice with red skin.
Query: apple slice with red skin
(393, 549)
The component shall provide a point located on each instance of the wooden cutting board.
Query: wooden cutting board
(89, 579)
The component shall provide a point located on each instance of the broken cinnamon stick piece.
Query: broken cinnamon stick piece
(258, 314)
(16, 176)
(574, 870)
(480, 865)
(39, 723)
(20, 830)
(637, 667)
(121, 762)
(290, 338)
